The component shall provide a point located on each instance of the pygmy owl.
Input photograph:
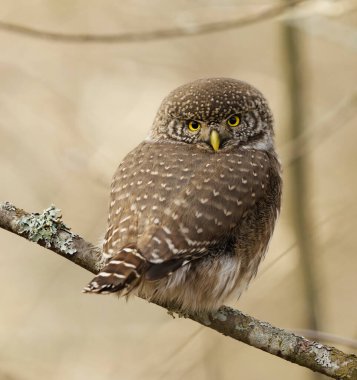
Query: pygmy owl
(193, 207)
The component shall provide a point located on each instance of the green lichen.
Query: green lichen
(46, 228)
(8, 206)
(323, 357)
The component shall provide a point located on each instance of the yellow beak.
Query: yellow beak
(214, 140)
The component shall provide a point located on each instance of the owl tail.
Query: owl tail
(123, 271)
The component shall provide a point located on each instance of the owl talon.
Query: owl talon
(171, 314)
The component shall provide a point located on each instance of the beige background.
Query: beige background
(70, 112)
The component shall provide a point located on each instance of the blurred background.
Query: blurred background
(70, 111)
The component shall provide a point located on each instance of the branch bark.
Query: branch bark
(48, 230)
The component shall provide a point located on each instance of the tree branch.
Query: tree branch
(48, 230)
(190, 30)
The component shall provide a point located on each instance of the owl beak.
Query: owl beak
(214, 140)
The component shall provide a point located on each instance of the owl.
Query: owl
(193, 207)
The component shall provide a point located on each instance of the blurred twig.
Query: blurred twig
(334, 120)
(327, 337)
(331, 30)
(294, 245)
(189, 30)
(233, 323)
(168, 359)
(299, 181)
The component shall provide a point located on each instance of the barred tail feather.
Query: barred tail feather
(123, 271)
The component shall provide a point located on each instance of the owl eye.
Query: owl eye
(194, 126)
(233, 121)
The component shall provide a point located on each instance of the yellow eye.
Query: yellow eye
(233, 121)
(194, 126)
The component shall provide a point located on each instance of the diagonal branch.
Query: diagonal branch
(190, 30)
(48, 230)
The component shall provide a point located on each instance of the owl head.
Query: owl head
(215, 114)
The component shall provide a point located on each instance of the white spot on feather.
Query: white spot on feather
(125, 219)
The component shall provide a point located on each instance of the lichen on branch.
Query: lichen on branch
(46, 227)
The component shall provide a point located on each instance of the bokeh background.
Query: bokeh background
(69, 112)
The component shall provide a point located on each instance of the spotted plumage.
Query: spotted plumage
(193, 207)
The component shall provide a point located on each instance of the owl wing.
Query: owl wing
(173, 203)
(205, 201)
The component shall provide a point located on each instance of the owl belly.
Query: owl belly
(202, 285)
